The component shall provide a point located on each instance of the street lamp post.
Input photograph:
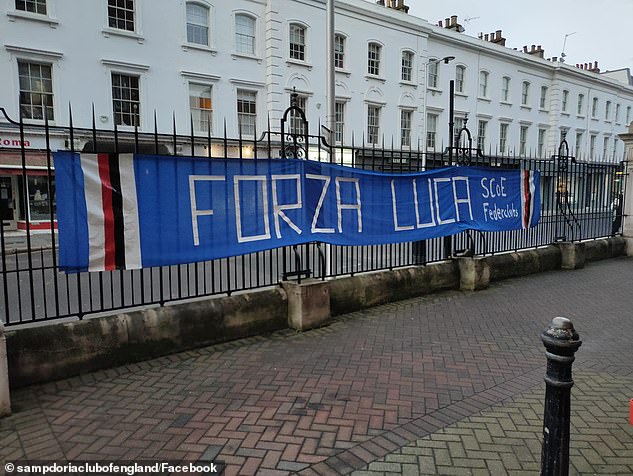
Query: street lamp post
(419, 247)
(330, 79)
(445, 60)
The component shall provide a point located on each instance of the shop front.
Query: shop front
(27, 186)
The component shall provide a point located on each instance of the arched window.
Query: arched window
(407, 66)
(460, 74)
(297, 42)
(197, 24)
(244, 34)
(339, 51)
(373, 59)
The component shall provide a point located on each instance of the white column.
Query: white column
(273, 49)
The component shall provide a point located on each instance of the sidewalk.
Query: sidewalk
(16, 241)
(446, 384)
(506, 438)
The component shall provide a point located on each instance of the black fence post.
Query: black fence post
(561, 343)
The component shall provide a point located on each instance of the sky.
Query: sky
(601, 29)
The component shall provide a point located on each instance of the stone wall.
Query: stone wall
(62, 349)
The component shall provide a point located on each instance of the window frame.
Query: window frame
(458, 124)
(251, 37)
(298, 51)
(433, 74)
(524, 131)
(484, 78)
(541, 138)
(407, 59)
(543, 98)
(482, 127)
(48, 18)
(133, 115)
(374, 60)
(31, 92)
(607, 111)
(578, 143)
(564, 106)
(406, 127)
(339, 122)
(505, 89)
(339, 54)
(373, 127)
(594, 107)
(25, 10)
(198, 122)
(249, 115)
(503, 137)
(431, 131)
(525, 93)
(295, 120)
(209, 15)
(580, 105)
(117, 19)
(460, 78)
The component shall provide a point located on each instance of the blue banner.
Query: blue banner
(129, 211)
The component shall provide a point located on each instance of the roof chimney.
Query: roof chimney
(452, 24)
(395, 5)
(401, 6)
(535, 51)
(498, 38)
(593, 67)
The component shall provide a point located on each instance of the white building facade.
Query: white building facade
(233, 64)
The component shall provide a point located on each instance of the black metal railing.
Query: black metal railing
(32, 288)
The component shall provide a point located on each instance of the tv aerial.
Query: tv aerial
(562, 55)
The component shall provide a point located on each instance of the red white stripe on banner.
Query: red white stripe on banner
(113, 229)
(527, 197)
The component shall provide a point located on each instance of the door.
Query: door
(7, 205)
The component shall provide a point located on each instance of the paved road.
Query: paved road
(446, 384)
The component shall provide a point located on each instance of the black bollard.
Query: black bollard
(561, 343)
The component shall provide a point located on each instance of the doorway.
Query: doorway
(7, 204)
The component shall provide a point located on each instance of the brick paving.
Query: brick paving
(358, 393)
(506, 438)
